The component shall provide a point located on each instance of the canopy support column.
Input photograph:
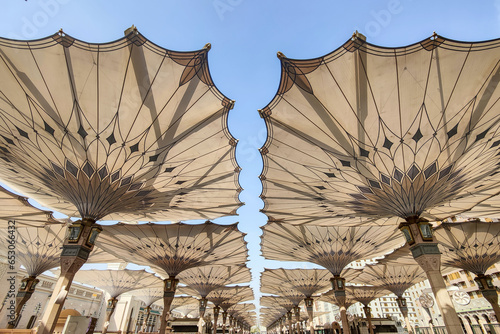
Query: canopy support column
(202, 308)
(310, 312)
(338, 285)
(146, 318)
(403, 307)
(485, 284)
(169, 287)
(109, 312)
(425, 251)
(25, 292)
(216, 317)
(368, 312)
(76, 249)
(296, 311)
(224, 318)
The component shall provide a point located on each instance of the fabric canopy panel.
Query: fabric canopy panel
(203, 280)
(471, 246)
(228, 296)
(116, 282)
(366, 294)
(372, 135)
(305, 281)
(39, 249)
(17, 208)
(173, 248)
(124, 130)
(332, 247)
(149, 295)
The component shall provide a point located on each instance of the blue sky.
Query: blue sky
(245, 37)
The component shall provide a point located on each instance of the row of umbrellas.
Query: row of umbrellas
(361, 142)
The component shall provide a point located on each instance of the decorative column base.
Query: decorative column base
(76, 250)
(425, 251)
(368, 313)
(25, 292)
(169, 287)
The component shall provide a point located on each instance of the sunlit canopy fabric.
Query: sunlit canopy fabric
(38, 249)
(366, 294)
(277, 301)
(471, 246)
(116, 282)
(374, 135)
(124, 130)
(341, 301)
(228, 296)
(305, 281)
(17, 209)
(332, 247)
(149, 295)
(172, 248)
(205, 279)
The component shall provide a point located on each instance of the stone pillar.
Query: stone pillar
(489, 291)
(368, 313)
(216, 317)
(202, 308)
(110, 308)
(338, 287)
(146, 318)
(310, 309)
(418, 234)
(289, 318)
(403, 307)
(76, 249)
(224, 318)
(24, 293)
(296, 313)
(169, 287)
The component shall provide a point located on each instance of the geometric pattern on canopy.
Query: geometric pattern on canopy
(38, 249)
(370, 134)
(228, 296)
(149, 295)
(366, 294)
(305, 281)
(471, 246)
(330, 297)
(277, 302)
(282, 291)
(396, 272)
(332, 247)
(205, 279)
(395, 278)
(172, 248)
(125, 130)
(17, 208)
(116, 282)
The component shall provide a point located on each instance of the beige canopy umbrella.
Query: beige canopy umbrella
(124, 130)
(115, 283)
(148, 296)
(365, 295)
(173, 248)
(472, 246)
(332, 247)
(343, 302)
(38, 249)
(200, 281)
(305, 281)
(19, 212)
(377, 135)
(397, 272)
(279, 302)
(224, 298)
